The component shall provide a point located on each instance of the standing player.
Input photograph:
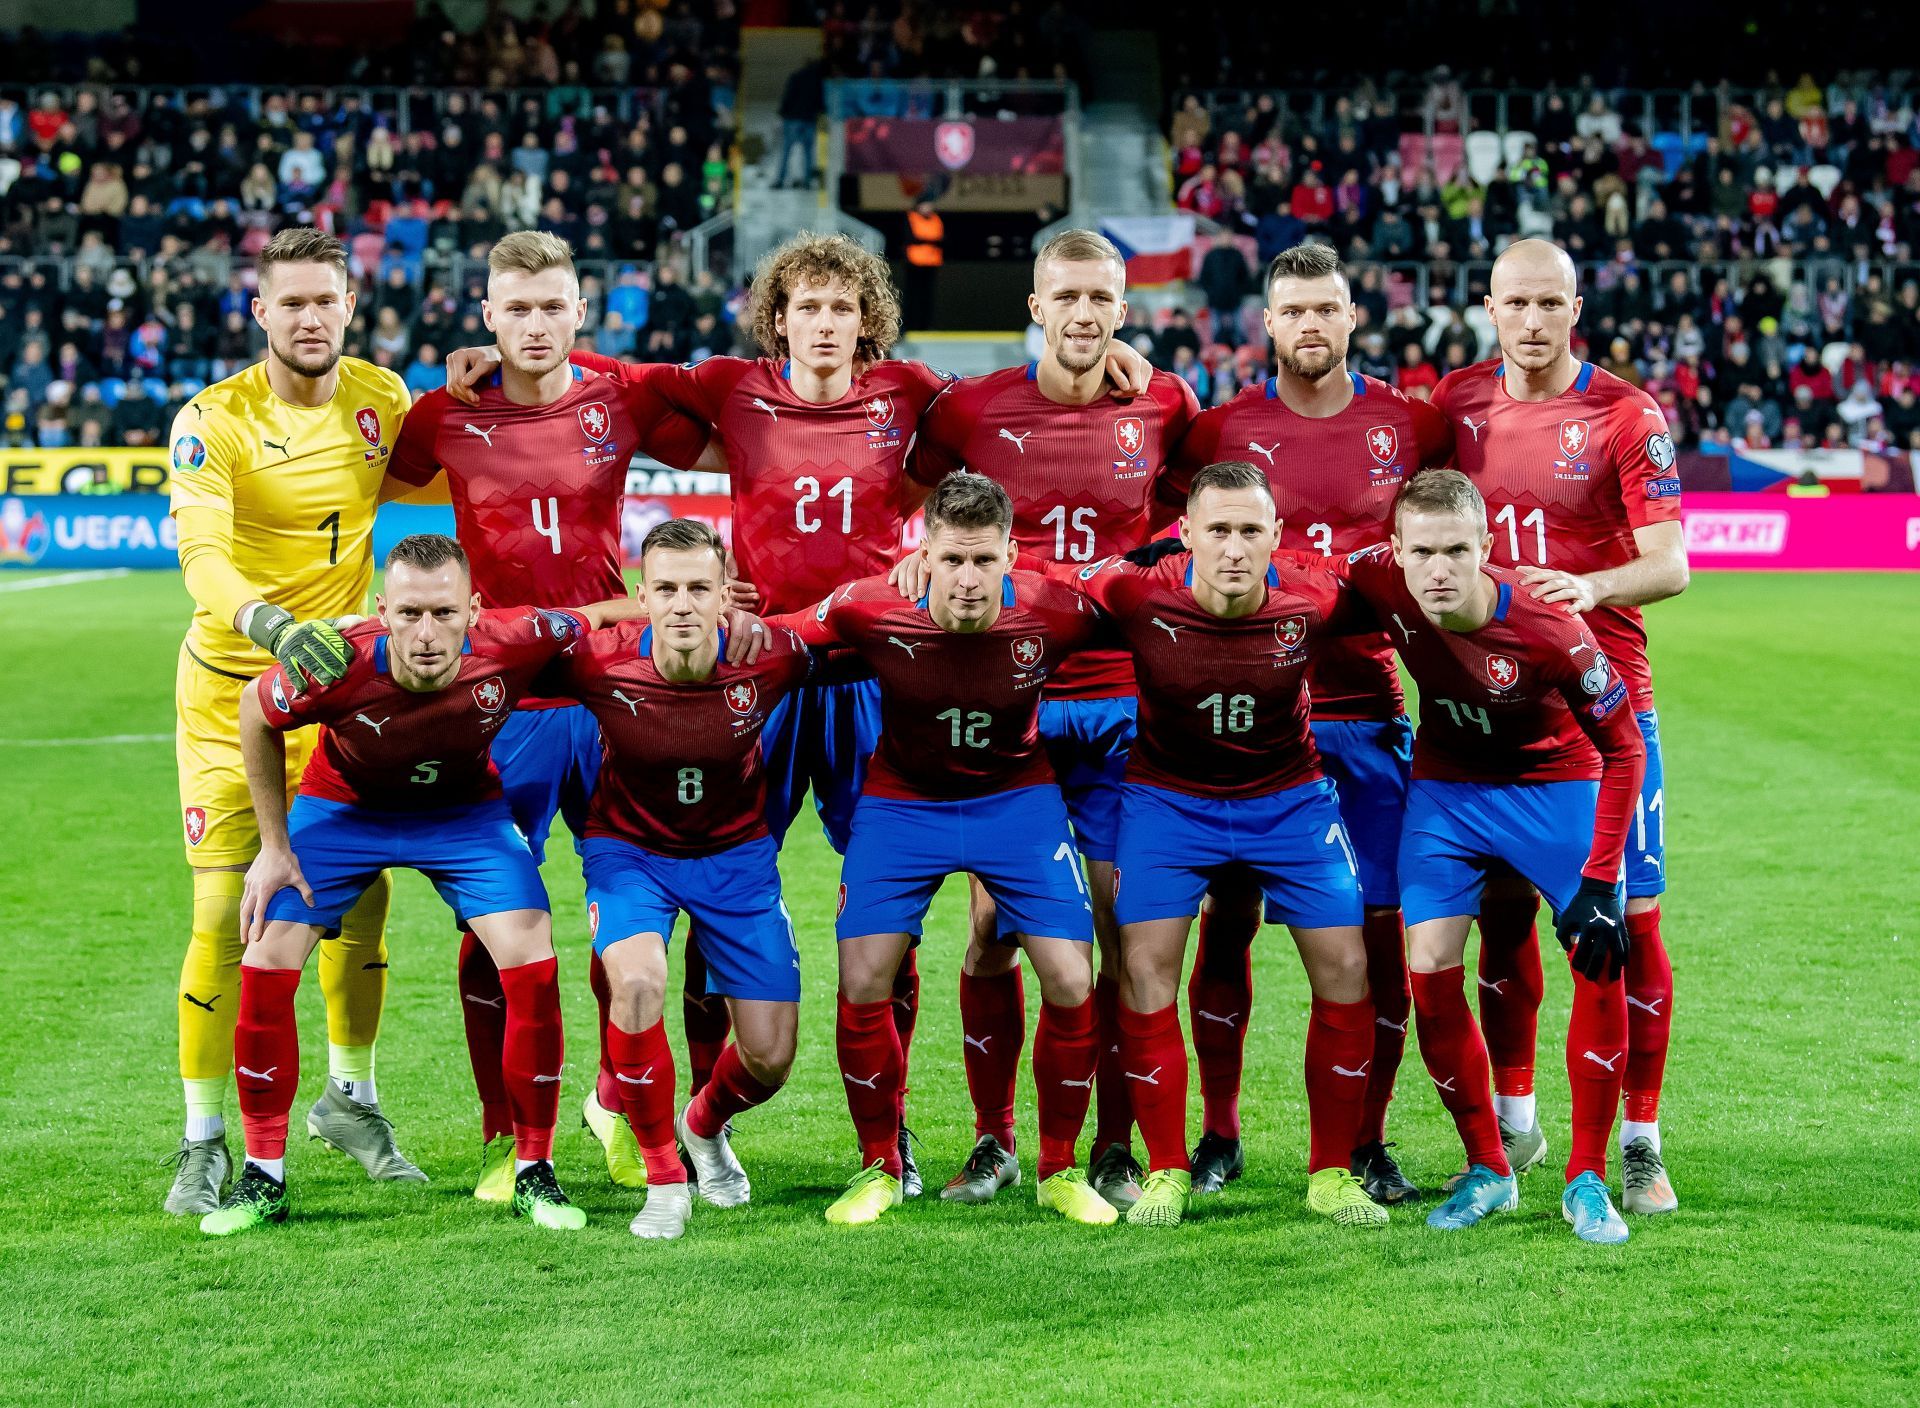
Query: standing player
(1223, 772)
(537, 470)
(1578, 471)
(276, 474)
(400, 776)
(958, 782)
(1527, 756)
(678, 823)
(1080, 470)
(1337, 446)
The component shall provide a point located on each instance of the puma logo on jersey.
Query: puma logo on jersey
(479, 1001)
(1173, 632)
(646, 1077)
(895, 640)
(267, 1074)
(633, 705)
(872, 1082)
(1265, 450)
(376, 727)
(281, 446)
(1400, 1027)
(1227, 1021)
(768, 409)
(1632, 1001)
(1599, 1060)
(1467, 421)
(1086, 1084)
(1152, 1077)
(1020, 441)
(486, 435)
(1497, 987)
(1360, 1074)
(979, 1041)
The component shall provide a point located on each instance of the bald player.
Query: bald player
(1577, 469)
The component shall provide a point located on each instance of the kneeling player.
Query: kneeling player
(959, 783)
(677, 824)
(1224, 772)
(401, 776)
(1526, 756)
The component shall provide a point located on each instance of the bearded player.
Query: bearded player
(1336, 446)
(1578, 473)
(276, 474)
(1080, 469)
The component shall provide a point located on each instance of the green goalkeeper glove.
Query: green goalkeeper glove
(307, 650)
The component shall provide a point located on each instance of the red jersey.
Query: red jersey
(389, 748)
(1566, 483)
(959, 711)
(680, 772)
(1081, 478)
(820, 492)
(1223, 703)
(1334, 480)
(1528, 697)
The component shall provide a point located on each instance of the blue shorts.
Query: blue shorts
(1372, 763)
(1292, 840)
(474, 855)
(821, 736)
(1647, 842)
(1087, 742)
(1456, 831)
(1017, 842)
(549, 760)
(732, 897)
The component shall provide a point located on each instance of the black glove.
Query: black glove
(306, 650)
(1594, 930)
(1151, 553)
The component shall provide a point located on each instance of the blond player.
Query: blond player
(276, 474)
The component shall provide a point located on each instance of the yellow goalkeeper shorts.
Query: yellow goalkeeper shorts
(216, 810)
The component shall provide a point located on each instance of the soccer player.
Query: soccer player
(400, 775)
(1528, 757)
(1223, 772)
(1080, 470)
(537, 469)
(1578, 471)
(958, 782)
(1336, 446)
(276, 474)
(678, 824)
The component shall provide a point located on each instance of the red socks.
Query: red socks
(266, 1057)
(532, 1054)
(643, 1066)
(483, 1008)
(705, 1017)
(1456, 1060)
(1156, 1063)
(870, 1068)
(993, 1027)
(1512, 986)
(606, 1089)
(1113, 1105)
(1386, 940)
(1066, 1048)
(1219, 999)
(1649, 1002)
(1339, 1066)
(906, 1013)
(1596, 1064)
(731, 1091)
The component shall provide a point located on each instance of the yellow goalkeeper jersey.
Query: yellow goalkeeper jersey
(292, 490)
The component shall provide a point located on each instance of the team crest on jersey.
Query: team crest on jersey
(1503, 670)
(1383, 443)
(879, 411)
(196, 820)
(1130, 433)
(741, 696)
(490, 694)
(953, 144)
(1573, 438)
(596, 422)
(368, 419)
(1290, 633)
(1027, 651)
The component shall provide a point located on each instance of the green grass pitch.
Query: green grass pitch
(1793, 765)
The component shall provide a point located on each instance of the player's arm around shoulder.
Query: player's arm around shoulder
(1650, 494)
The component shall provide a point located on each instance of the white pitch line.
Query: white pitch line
(65, 579)
(85, 742)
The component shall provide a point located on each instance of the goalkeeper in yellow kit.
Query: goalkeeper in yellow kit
(276, 474)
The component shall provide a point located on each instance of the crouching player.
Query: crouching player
(401, 776)
(1224, 772)
(677, 824)
(959, 782)
(1527, 754)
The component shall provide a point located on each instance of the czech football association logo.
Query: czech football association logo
(1383, 443)
(368, 420)
(490, 694)
(1573, 438)
(741, 696)
(1503, 670)
(595, 421)
(1027, 651)
(953, 144)
(879, 411)
(1290, 633)
(1130, 434)
(196, 820)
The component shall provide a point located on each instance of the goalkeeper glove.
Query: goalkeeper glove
(1594, 930)
(307, 650)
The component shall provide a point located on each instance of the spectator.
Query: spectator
(1859, 407)
(1225, 279)
(1417, 376)
(802, 104)
(425, 372)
